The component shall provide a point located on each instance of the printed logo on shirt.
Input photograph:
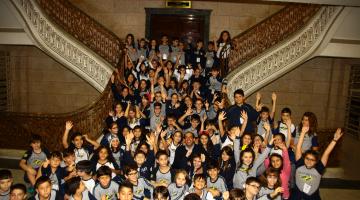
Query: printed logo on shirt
(306, 178)
(109, 196)
(37, 163)
(138, 192)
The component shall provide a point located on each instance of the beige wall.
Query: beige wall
(39, 84)
(319, 85)
(128, 16)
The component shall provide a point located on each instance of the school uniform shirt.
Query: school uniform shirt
(82, 153)
(176, 192)
(105, 141)
(309, 140)
(54, 195)
(110, 165)
(120, 121)
(89, 184)
(5, 195)
(146, 168)
(86, 195)
(308, 180)
(210, 59)
(57, 177)
(118, 156)
(228, 173)
(142, 189)
(172, 149)
(233, 113)
(214, 84)
(205, 195)
(35, 160)
(163, 177)
(265, 192)
(260, 127)
(219, 184)
(243, 172)
(110, 191)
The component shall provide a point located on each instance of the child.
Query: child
(69, 163)
(175, 142)
(199, 187)
(227, 165)
(162, 175)
(194, 122)
(77, 143)
(215, 81)
(18, 192)
(84, 171)
(179, 188)
(33, 159)
(44, 191)
(116, 151)
(103, 157)
(6, 180)
(271, 188)
(216, 184)
(141, 187)
(285, 126)
(126, 191)
(210, 56)
(105, 188)
(247, 162)
(51, 168)
(198, 55)
(252, 187)
(265, 116)
(77, 190)
(161, 193)
(113, 131)
(309, 169)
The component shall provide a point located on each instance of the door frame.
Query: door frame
(178, 11)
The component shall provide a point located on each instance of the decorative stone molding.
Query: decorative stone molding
(62, 46)
(284, 56)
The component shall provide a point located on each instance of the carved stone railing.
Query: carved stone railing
(269, 32)
(80, 57)
(80, 25)
(284, 56)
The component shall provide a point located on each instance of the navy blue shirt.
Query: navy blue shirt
(233, 114)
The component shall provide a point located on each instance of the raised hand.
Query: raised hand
(288, 124)
(282, 146)
(266, 126)
(222, 116)
(111, 113)
(68, 125)
(304, 129)
(189, 112)
(226, 195)
(244, 115)
(258, 107)
(338, 134)
(273, 96)
(112, 78)
(258, 96)
(129, 137)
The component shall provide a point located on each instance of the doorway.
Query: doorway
(179, 23)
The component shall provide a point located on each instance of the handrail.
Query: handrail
(270, 32)
(84, 28)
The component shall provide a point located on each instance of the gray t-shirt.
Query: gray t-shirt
(139, 189)
(177, 193)
(110, 192)
(219, 184)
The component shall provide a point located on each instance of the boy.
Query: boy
(6, 180)
(105, 188)
(84, 171)
(141, 187)
(194, 122)
(33, 159)
(44, 191)
(126, 191)
(199, 187)
(162, 175)
(210, 56)
(285, 126)
(215, 81)
(18, 192)
(77, 143)
(156, 116)
(216, 184)
(51, 168)
(252, 187)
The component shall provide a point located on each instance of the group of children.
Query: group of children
(173, 135)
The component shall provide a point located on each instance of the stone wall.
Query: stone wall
(319, 85)
(39, 84)
(128, 16)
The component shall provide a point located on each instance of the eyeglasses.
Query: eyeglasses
(310, 159)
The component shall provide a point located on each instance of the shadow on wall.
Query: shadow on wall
(350, 157)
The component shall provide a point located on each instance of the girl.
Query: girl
(103, 157)
(227, 165)
(174, 142)
(271, 188)
(309, 121)
(207, 147)
(179, 188)
(112, 131)
(223, 48)
(282, 164)
(116, 151)
(132, 53)
(247, 164)
(142, 48)
(133, 115)
(116, 115)
(197, 166)
(76, 189)
(309, 169)
(153, 50)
